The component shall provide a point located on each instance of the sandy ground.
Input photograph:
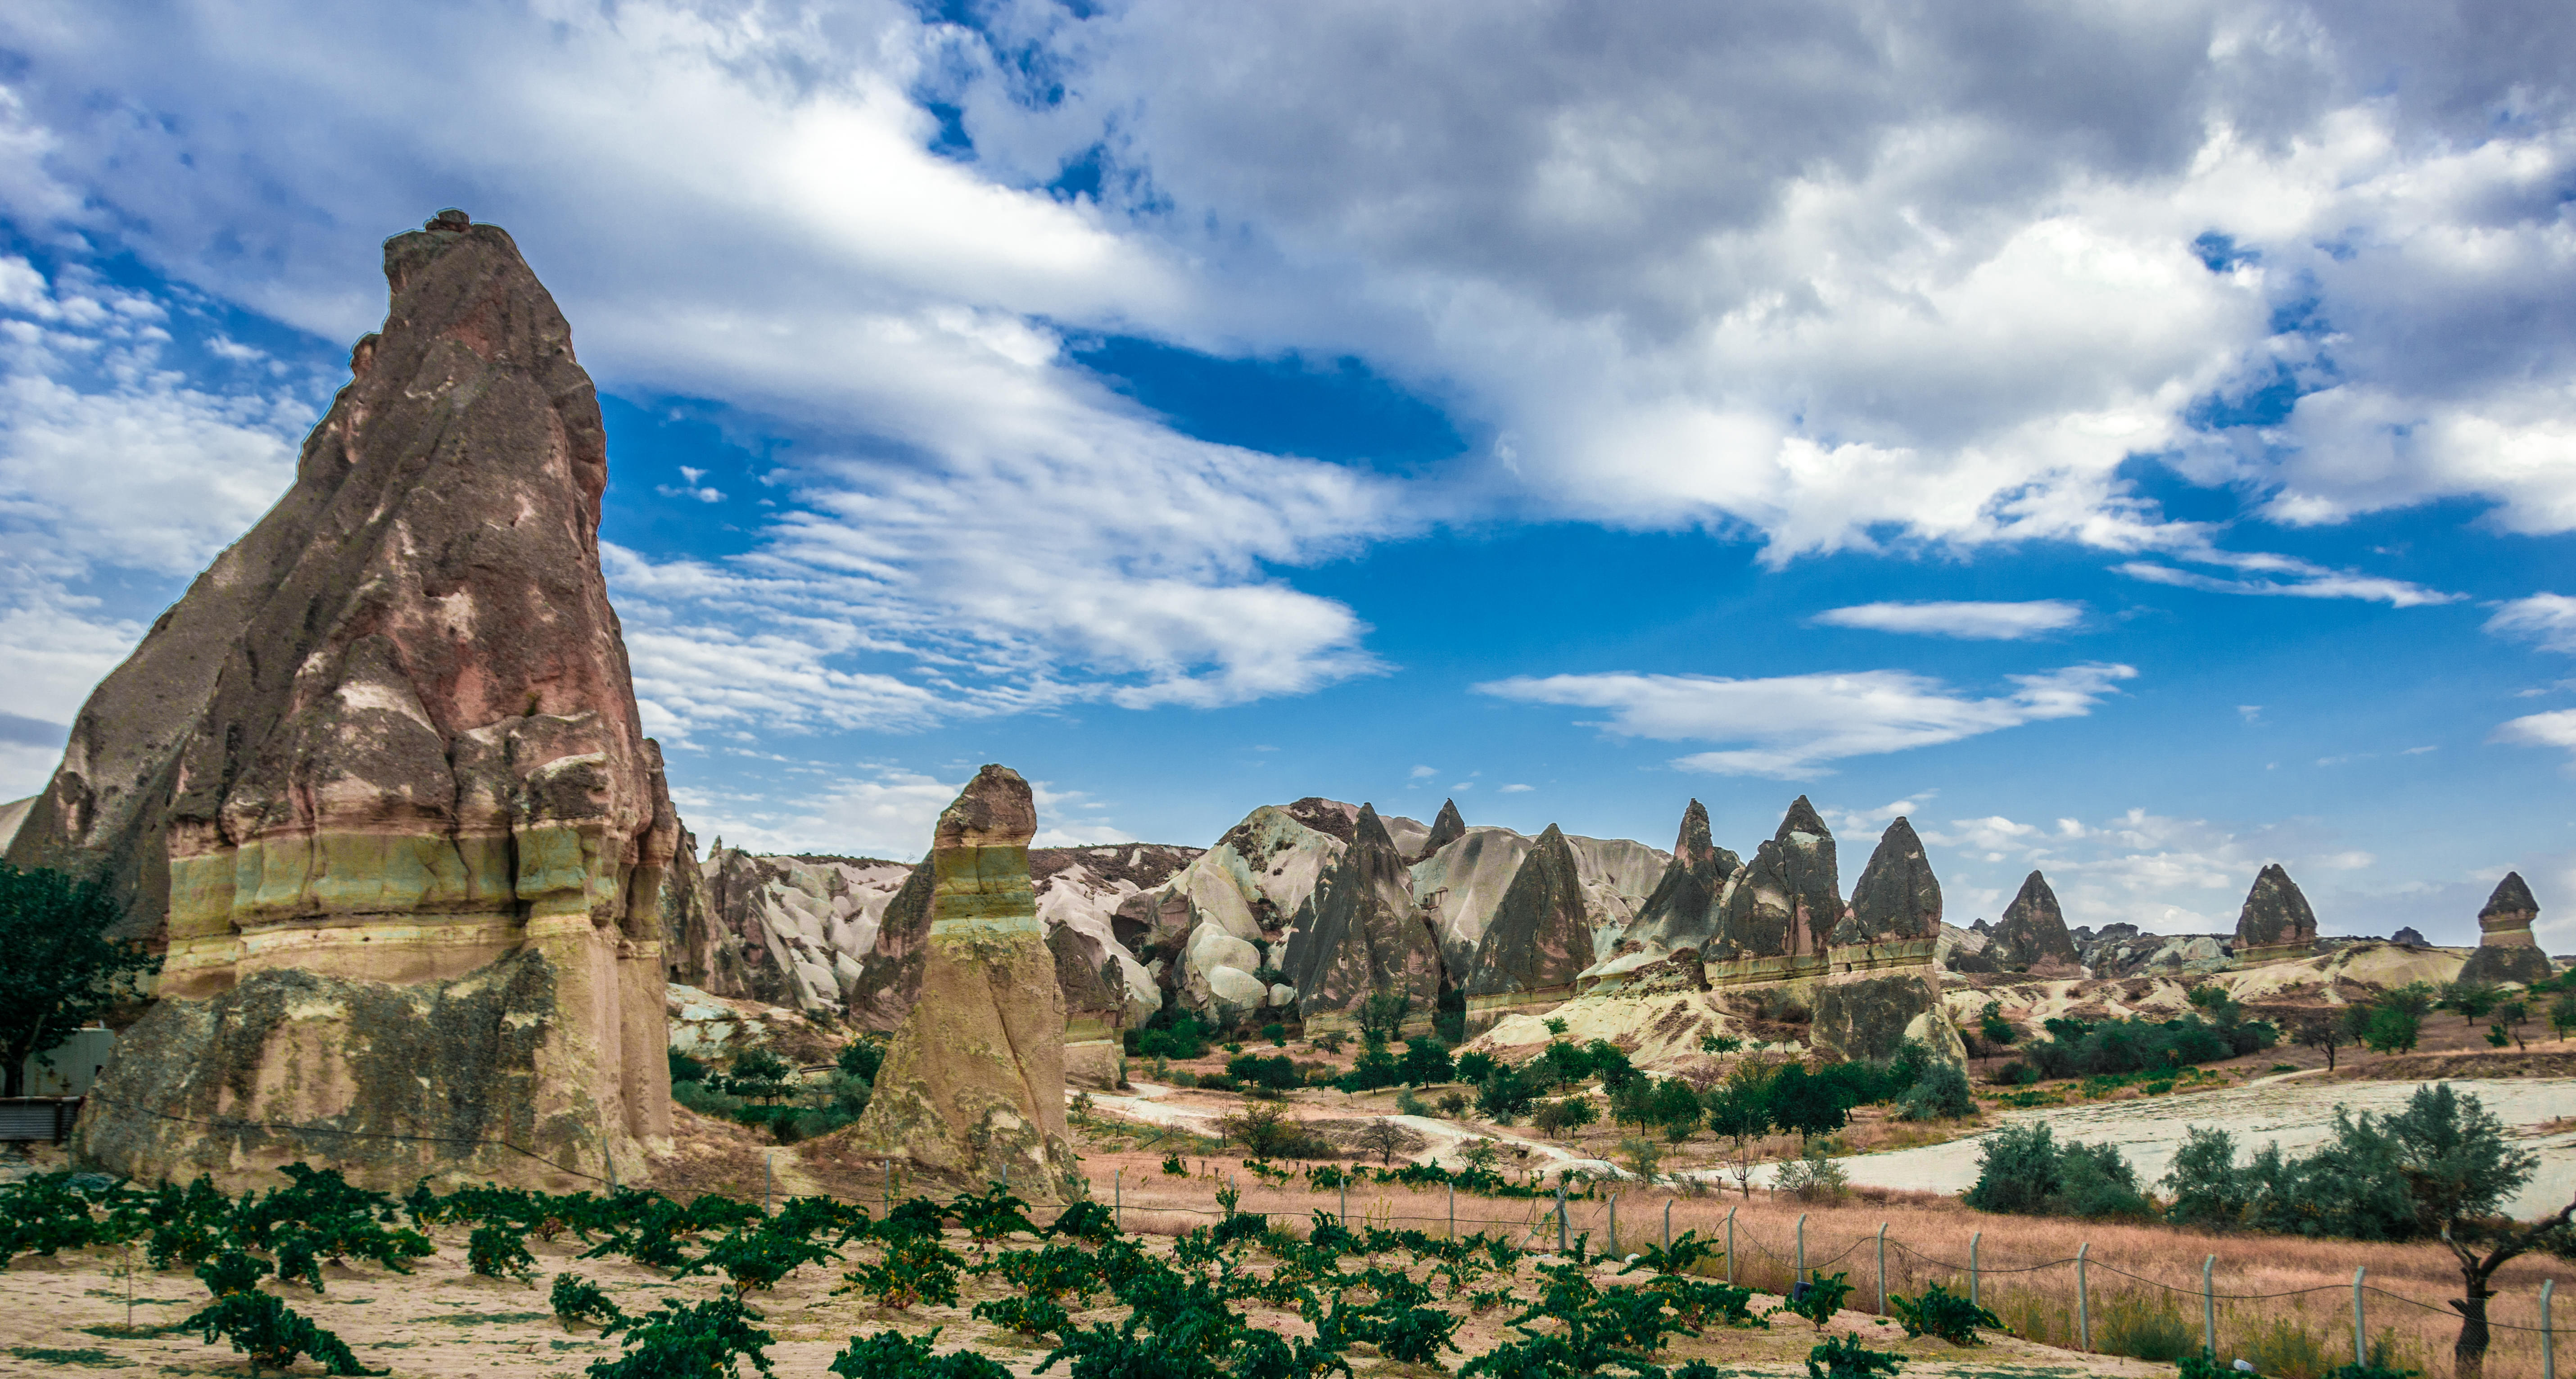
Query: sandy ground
(2295, 1111)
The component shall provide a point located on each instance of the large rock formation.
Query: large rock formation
(1882, 989)
(1359, 934)
(1447, 827)
(2276, 924)
(376, 785)
(1681, 912)
(972, 1087)
(2506, 950)
(1539, 939)
(2032, 937)
(1787, 900)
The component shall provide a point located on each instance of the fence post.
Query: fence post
(1973, 1238)
(1802, 1251)
(1346, 1197)
(885, 1199)
(1730, 1244)
(2548, 1344)
(2083, 1301)
(1118, 1202)
(2360, 1331)
(1561, 1245)
(2208, 1310)
(1882, 1268)
(1453, 1211)
(1668, 1225)
(1613, 1251)
(768, 1181)
(1006, 1175)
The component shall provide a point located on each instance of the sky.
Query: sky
(2133, 441)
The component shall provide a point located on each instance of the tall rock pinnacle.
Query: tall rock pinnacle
(1447, 827)
(2506, 950)
(2033, 934)
(388, 740)
(973, 1085)
(1786, 901)
(1359, 934)
(1681, 912)
(2276, 922)
(1886, 992)
(1539, 938)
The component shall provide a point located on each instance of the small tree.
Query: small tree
(2512, 1015)
(1426, 1061)
(1676, 1109)
(2392, 1029)
(1385, 1139)
(2461, 1171)
(1739, 1109)
(2470, 1000)
(2324, 1034)
(2562, 1016)
(58, 968)
(1381, 1014)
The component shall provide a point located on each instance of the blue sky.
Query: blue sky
(2140, 445)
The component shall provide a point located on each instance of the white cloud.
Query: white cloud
(1794, 725)
(1974, 621)
(1423, 772)
(1517, 789)
(2548, 620)
(2554, 729)
(2309, 582)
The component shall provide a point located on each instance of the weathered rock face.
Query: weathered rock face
(1681, 912)
(2152, 955)
(1886, 992)
(1446, 827)
(2033, 934)
(696, 949)
(1788, 899)
(2412, 937)
(2276, 923)
(1359, 933)
(1539, 939)
(806, 930)
(972, 1086)
(2506, 950)
(390, 741)
(1459, 887)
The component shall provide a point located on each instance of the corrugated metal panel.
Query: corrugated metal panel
(76, 1062)
(37, 1118)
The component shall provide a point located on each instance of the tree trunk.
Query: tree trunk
(13, 1078)
(2469, 1354)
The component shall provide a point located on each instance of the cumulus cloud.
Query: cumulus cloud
(2549, 620)
(1516, 789)
(2003, 622)
(2554, 729)
(1794, 725)
(873, 811)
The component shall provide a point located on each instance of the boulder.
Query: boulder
(1681, 912)
(2506, 950)
(2032, 936)
(1539, 940)
(1787, 901)
(380, 766)
(1447, 827)
(972, 1087)
(2276, 924)
(1359, 934)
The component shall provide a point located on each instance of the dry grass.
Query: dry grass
(2285, 1303)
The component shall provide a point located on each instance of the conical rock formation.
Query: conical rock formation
(1787, 901)
(376, 784)
(1681, 912)
(2506, 950)
(2276, 924)
(1359, 934)
(2033, 937)
(972, 1087)
(1539, 939)
(1887, 992)
(1447, 827)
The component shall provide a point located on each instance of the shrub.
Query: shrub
(2016, 1171)
(1426, 1061)
(1028, 1316)
(2284, 1348)
(1849, 1359)
(1819, 1298)
(1814, 1177)
(2098, 1182)
(1266, 1130)
(576, 1299)
(1086, 1220)
(268, 1331)
(916, 1268)
(755, 1259)
(2145, 1328)
(1277, 1072)
(1506, 1094)
(887, 1355)
(2016, 1074)
(1417, 1335)
(1940, 1312)
(497, 1251)
(701, 1338)
(1940, 1093)
(1564, 1114)
(685, 1069)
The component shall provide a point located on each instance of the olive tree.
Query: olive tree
(58, 968)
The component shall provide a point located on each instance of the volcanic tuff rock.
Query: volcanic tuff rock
(1447, 827)
(381, 766)
(2033, 934)
(1897, 897)
(1540, 936)
(2276, 922)
(972, 1087)
(1787, 900)
(1876, 1001)
(2413, 938)
(2506, 950)
(1458, 887)
(1359, 933)
(1681, 912)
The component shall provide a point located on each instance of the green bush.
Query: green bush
(497, 1251)
(576, 1299)
(1849, 1359)
(1940, 1093)
(2146, 1328)
(1820, 1297)
(2022, 1169)
(272, 1334)
(887, 1355)
(682, 1340)
(1940, 1312)
(1029, 1316)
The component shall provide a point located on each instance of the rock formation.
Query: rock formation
(972, 1087)
(1882, 989)
(1785, 902)
(1447, 827)
(2032, 936)
(1539, 939)
(1359, 934)
(2506, 950)
(376, 786)
(2276, 924)
(2411, 937)
(1681, 912)
(1459, 887)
